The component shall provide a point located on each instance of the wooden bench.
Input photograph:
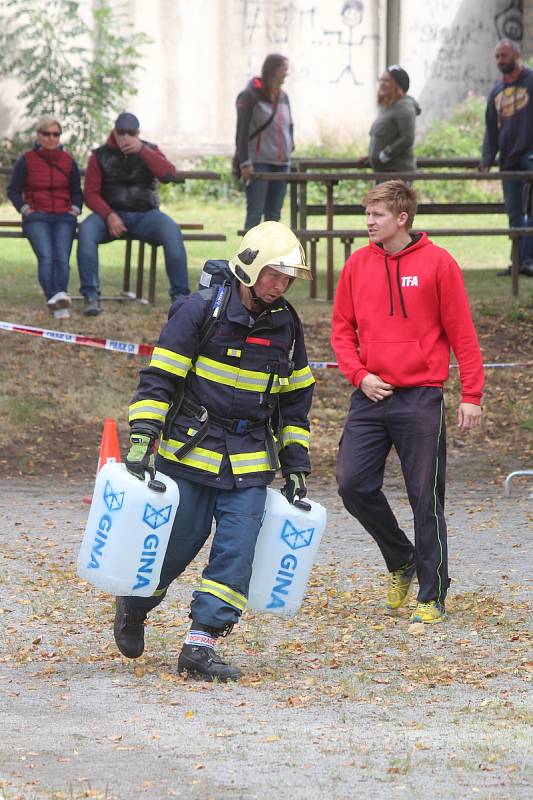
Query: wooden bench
(11, 229)
(347, 236)
(331, 179)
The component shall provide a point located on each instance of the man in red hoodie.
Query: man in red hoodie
(400, 305)
(120, 187)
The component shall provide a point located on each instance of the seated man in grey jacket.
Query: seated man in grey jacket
(392, 134)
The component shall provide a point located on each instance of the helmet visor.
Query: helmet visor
(293, 272)
(292, 264)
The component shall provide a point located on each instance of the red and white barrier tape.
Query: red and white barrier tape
(130, 348)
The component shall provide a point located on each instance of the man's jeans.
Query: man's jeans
(515, 198)
(150, 226)
(51, 236)
(264, 198)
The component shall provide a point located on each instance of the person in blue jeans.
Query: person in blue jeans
(45, 188)
(120, 188)
(509, 132)
(264, 140)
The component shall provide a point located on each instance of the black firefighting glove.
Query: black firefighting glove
(295, 487)
(140, 458)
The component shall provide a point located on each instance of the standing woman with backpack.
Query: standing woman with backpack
(264, 140)
(45, 189)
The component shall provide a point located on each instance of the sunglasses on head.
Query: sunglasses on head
(125, 132)
(48, 134)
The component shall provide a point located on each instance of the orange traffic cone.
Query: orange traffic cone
(109, 449)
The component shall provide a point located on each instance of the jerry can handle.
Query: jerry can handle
(159, 486)
(303, 505)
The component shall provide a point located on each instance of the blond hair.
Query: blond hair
(46, 121)
(397, 197)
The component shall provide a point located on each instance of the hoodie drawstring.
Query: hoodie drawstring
(391, 302)
(398, 281)
(399, 284)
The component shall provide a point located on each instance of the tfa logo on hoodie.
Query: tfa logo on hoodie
(409, 280)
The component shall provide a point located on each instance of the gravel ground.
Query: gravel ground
(341, 701)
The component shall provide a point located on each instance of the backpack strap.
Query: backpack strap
(221, 296)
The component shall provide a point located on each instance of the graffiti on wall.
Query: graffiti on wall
(279, 22)
(352, 12)
(509, 21)
(275, 20)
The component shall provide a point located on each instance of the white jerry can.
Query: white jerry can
(284, 555)
(127, 532)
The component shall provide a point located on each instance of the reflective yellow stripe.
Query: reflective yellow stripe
(250, 462)
(291, 434)
(235, 353)
(171, 362)
(299, 379)
(228, 375)
(224, 593)
(148, 409)
(199, 457)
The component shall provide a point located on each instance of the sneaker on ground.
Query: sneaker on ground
(59, 300)
(400, 584)
(428, 612)
(205, 663)
(129, 629)
(92, 308)
(61, 313)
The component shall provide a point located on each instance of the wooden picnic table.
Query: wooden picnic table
(331, 179)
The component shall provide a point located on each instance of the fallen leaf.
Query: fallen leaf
(416, 629)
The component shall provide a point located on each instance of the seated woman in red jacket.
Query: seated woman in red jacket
(45, 188)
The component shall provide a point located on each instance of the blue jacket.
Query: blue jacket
(250, 373)
(509, 121)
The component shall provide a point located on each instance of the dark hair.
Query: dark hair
(271, 63)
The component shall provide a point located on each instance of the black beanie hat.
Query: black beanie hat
(400, 76)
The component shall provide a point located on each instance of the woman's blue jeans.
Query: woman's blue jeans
(264, 198)
(51, 237)
(149, 226)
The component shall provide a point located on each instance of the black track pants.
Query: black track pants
(413, 421)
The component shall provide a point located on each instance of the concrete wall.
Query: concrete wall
(448, 48)
(204, 51)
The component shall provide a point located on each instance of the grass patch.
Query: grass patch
(67, 391)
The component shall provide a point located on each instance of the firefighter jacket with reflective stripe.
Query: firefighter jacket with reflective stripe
(250, 371)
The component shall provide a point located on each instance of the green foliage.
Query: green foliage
(458, 135)
(227, 188)
(82, 72)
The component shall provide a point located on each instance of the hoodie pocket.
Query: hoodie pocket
(396, 362)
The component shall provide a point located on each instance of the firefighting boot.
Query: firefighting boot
(199, 659)
(129, 629)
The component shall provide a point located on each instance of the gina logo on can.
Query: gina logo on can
(296, 539)
(147, 560)
(113, 501)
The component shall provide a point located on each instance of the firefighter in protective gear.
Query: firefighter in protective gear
(227, 392)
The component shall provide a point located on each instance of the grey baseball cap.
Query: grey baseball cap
(127, 121)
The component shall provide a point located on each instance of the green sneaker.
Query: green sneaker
(428, 612)
(400, 584)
